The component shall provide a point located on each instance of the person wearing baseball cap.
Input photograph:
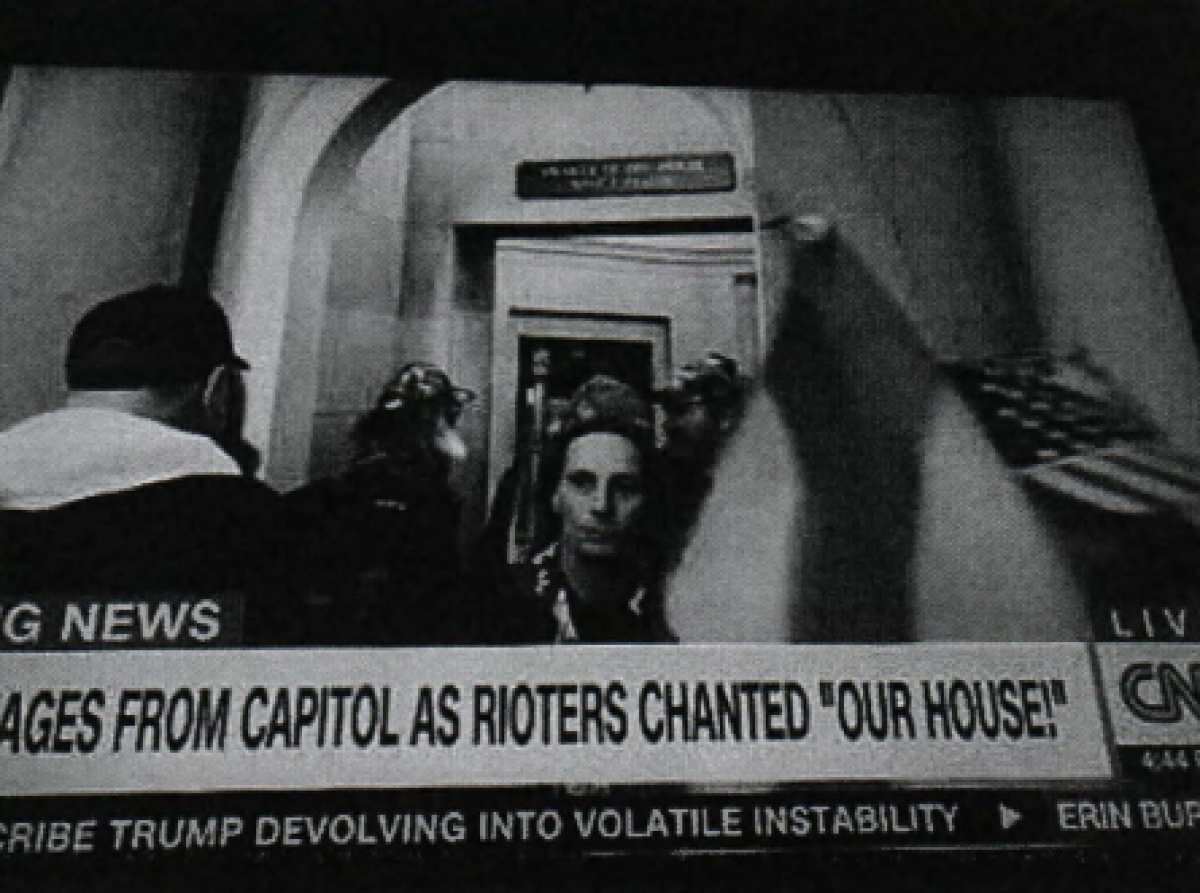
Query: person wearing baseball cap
(127, 488)
(382, 536)
(701, 410)
(702, 407)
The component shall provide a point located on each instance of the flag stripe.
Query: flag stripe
(1178, 469)
(1143, 482)
(1064, 480)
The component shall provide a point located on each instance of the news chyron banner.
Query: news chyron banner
(124, 759)
(279, 720)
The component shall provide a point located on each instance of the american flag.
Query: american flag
(1061, 424)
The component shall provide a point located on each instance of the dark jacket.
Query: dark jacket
(379, 545)
(689, 482)
(96, 504)
(535, 604)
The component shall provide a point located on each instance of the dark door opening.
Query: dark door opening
(551, 369)
(549, 372)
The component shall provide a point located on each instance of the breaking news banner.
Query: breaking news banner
(133, 758)
(389, 754)
(201, 721)
(50, 623)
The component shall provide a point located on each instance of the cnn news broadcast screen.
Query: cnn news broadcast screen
(443, 479)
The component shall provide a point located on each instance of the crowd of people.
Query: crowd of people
(143, 484)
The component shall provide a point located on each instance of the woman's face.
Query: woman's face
(600, 495)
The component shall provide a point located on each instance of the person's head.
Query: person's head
(163, 352)
(416, 415)
(602, 473)
(703, 407)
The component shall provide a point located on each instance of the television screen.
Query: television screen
(432, 473)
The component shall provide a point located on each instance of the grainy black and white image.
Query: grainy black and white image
(601, 445)
(352, 361)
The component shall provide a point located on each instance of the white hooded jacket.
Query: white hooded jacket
(67, 455)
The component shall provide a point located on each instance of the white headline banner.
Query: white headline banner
(237, 720)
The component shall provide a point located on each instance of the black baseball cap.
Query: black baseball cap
(422, 384)
(158, 335)
(716, 380)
